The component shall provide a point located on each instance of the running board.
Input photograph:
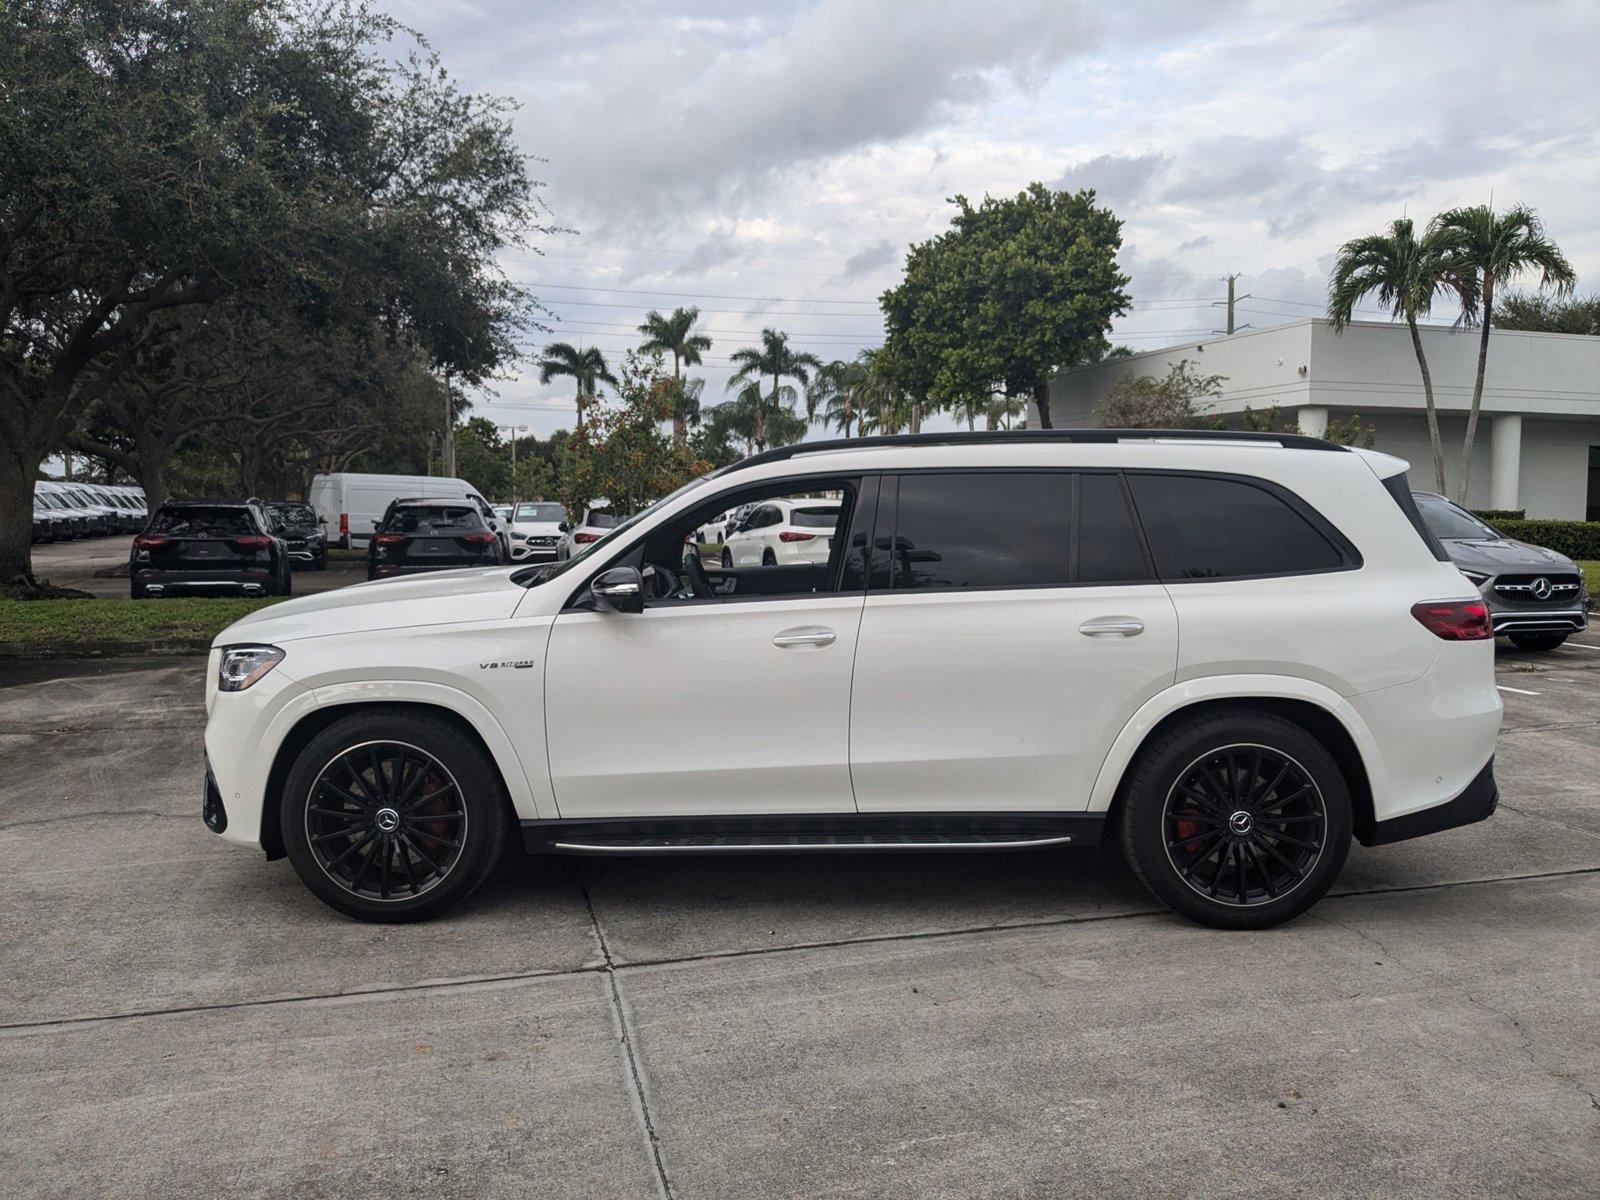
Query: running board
(814, 833)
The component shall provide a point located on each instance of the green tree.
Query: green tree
(1015, 291)
(586, 368)
(675, 335)
(1406, 273)
(757, 419)
(777, 361)
(836, 392)
(1177, 400)
(621, 453)
(159, 158)
(1498, 247)
(1550, 314)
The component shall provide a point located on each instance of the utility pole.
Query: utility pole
(515, 429)
(1229, 302)
(448, 452)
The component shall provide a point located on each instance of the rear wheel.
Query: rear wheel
(768, 559)
(393, 816)
(1537, 641)
(1238, 819)
(727, 560)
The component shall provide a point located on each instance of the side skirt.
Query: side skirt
(813, 832)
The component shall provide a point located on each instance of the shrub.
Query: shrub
(1495, 515)
(1575, 539)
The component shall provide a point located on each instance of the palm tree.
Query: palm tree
(675, 335)
(1406, 273)
(837, 392)
(774, 359)
(1498, 247)
(585, 367)
(756, 420)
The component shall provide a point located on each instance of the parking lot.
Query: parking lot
(91, 566)
(181, 1018)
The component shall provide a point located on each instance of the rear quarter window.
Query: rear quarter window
(1212, 527)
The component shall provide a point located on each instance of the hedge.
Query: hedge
(1575, 539)
(1495, 515)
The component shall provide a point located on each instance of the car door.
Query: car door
(1014, 628)
(629, 698)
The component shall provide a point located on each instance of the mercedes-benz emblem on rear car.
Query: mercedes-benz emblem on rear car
(1541, 588)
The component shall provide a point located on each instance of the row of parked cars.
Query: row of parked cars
(64, 510)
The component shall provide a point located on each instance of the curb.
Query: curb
(13, 651)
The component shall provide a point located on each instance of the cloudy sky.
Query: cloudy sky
(770, 162)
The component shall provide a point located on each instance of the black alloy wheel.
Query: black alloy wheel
(1244, 825)
(1237, 817)
(386, 821)
(394, 813)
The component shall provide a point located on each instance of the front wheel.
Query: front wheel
(1238, 819)
(1537, 641)
(393, 816)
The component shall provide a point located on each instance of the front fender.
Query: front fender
(531, 798)
(1231, 687)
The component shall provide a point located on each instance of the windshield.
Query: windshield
(1448, 521)
(430, 518)
(551, 514)
(549, 571)
(203, 521)
(293, 516)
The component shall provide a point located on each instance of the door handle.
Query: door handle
(1112, 627)
(810, 635)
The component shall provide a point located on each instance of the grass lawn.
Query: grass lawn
(1591, 572)
(77, 622)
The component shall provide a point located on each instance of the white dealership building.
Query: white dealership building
(1538, 442)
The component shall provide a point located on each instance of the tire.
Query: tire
(727, 560)
(1537, 641)
(137, 592)
(472, 800)
(320, 564)
(1182, 830)
(768, 559)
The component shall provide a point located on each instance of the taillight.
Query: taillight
(1455, 620)
(253, 539)
(789, 535)
(148, 541)
(389, 539)
(344, 522)
(480, 539)
(581, 538)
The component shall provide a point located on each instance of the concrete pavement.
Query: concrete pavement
(180, 1018)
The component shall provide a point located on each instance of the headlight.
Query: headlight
(1478, 577)
(245, 665)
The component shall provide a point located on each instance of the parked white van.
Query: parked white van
(351, 505)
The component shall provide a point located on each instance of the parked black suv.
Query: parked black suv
(301, 529)
(209, 546)
(431, 535)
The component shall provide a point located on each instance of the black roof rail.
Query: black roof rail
(959, 437)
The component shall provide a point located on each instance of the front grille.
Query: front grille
(1557, 588)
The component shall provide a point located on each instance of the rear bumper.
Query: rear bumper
(1474, 804)
(203, 581)
(390, 570)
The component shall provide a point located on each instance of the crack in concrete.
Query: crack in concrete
(610, 967)
(85, 816)
(627, 1038)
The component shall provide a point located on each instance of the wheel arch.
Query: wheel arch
(1320, 711)
(484, 731)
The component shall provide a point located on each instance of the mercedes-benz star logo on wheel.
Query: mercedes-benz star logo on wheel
(1240, 822)
(387, 820)
(1541, 588)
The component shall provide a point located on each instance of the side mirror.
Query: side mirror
(619, 590)
(564, 527)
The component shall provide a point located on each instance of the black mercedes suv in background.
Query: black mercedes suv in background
(301, 529)
(209, 547)
(1536, 597)
(431, 535)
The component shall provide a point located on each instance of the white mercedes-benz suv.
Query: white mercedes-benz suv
(1235, 651)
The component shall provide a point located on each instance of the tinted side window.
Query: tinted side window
(1208, 528)
(982, 530)
(1109, 550)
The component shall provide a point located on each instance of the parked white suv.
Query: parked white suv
(782, 531)
(1237, 651)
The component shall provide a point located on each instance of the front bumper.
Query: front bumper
(1476, 803)
(1523, 620)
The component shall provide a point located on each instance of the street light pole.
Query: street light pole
(515, 429)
